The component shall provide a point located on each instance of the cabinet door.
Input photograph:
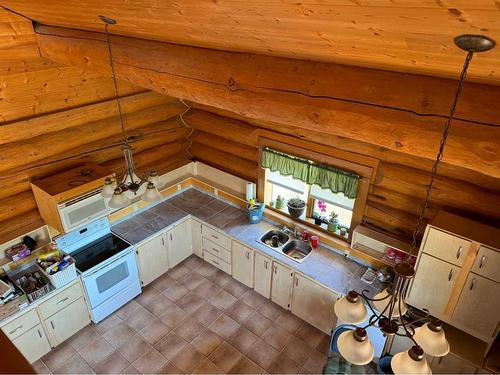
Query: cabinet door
(478, 305)
(33, 344)
(152, 259)
(65, 323)
(446, 246)
(196, 233)
(487, 264)
(451, 364)
(180, 244)
(313, 303)
(433, 284)
(262, 279)
(242, 264)
(281, 285)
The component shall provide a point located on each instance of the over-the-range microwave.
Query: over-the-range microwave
(82, 210)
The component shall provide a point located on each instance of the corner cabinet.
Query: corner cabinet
(242, 263)
(152, 258)
(281, 287)
(180, 243)
(262, 274)
(196, 238)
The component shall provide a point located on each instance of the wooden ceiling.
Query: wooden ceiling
(401, 35)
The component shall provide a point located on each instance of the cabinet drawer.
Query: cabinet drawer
(446, 246)
(487, 264)
(217, 262)
(21, 325)
(216, 237)
(60, 300)
(217, 250)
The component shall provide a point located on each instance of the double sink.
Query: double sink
(281, 242)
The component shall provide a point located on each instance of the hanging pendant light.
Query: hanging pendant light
(388, 307)
(130, 182)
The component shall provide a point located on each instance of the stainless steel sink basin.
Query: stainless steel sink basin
(297, 250)
(279, 241)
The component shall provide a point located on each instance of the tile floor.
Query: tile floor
(193, 319)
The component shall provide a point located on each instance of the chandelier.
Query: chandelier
(388, 307)
(115, 188)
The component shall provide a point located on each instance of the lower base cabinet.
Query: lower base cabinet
(152, 259)
(262, 275)
(313, 303)
(33, 344)
(281, 287)
(66, 322)
(196, 232)
(242, 264)
(180, 244)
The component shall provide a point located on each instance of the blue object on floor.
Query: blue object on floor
(336, 364)
(384, 365)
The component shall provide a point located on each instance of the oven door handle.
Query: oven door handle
(131, 251)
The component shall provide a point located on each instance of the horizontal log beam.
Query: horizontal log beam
(248, 85)
(225, 145)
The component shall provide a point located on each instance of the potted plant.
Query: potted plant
(318, 218)
(333, 222)
(280, 202)
(296, 207)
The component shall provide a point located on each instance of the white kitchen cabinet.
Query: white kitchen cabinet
(449, 247)
(180, 244)
(451, 364)
(282, 279)
(32, 344)
(242, 263)
(478, 306)
(433, 284)
(196, 234)
(313, 303)
(262, 274)
(487, 263)
(66, 322)
(152, 259)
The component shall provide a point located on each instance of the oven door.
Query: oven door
(114, 276)
(82, 210)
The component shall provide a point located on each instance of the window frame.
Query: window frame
(365, 167)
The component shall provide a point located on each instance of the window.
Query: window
(333, 202)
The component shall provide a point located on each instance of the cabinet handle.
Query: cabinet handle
(481, 262)
(459, 252)
(15, 329)
(162, 241)
(215, 262)
(265, 264)
(62, 301)
(39, 333)
(52, 325)
(473, 281)
(214, 236)
(170, 236)
(450, 275)
(248, 255)
(214, 249)
(275, 270)
(296, 281)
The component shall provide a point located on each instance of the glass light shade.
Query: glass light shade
(154, 178)
(381, 305)
(403, 363)
(432, 341)
(109, 188)
(350, 309)
(355, 351)
(119, 199)
(151, 194)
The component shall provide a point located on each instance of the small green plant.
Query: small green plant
(333, 217)
(296, 203)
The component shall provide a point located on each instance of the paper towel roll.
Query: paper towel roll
(250, 191)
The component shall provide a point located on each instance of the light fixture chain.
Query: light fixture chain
(439, 156)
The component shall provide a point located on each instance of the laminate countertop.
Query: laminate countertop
(324, 264)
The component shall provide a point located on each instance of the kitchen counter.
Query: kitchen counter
(323, 265)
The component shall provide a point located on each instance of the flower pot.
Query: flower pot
(332, 227)
(295, 211)
(280, 204)
(318, 221)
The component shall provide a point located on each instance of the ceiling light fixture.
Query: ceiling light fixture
(116, 188)
(388, 307)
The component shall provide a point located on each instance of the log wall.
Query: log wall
(53, 117)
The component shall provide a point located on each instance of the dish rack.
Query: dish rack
(26, 270)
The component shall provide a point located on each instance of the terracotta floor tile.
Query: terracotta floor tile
(289, 322)
(239, 311)
(105, 325)
(189, 329)
(207, 290)
(133, 348)
(246, 366)
(150, 362)
(207, 342)
(59, 355)
(169, 368)
(271, 310)
(170, 345)
(208, 367)
(119, 334)
(298, 350)
(235, 288)
(175, 292)
(223, 300)
(113, 364)
(225, 357)
(188, 359)
(154, 331)
(192, 280)
(309, 334)
(74, 365)
(224, 326)
(220, 278)
(131, 370)
(262, 354)
(283, 365)
(253, 299)
(40, 367)
(193, 262)
(140, 319)
(178, 272)
(83, 337)
(324, 345)
(190, 303)
(207, 270)
(147, 295)
(243, 339)
(163, 282)
(158, 305)
(127, 310)
(206, 314)
(173, 316)
(96, 351)
(315, 362)
(257, 323)
(277, 337)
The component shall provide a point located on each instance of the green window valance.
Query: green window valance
(326, 177)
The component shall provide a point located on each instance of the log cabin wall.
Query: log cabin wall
(53, 117)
